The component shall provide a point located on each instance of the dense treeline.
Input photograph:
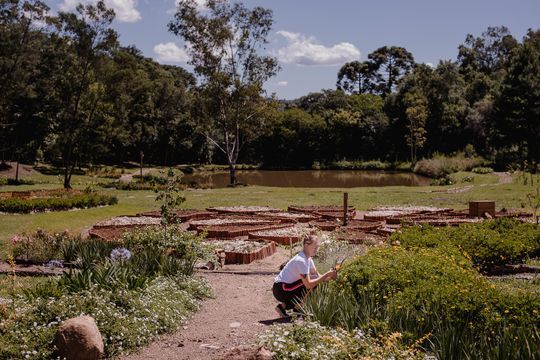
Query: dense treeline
(72, 96)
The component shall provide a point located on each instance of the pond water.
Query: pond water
(310, 178)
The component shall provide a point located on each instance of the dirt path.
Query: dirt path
(231, 319)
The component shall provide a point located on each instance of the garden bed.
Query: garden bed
(312, 209)
(232, 231)
(284, 236)
(244, 252)
(249, 210)
(51, 200)
(324, 225)
(360, 237)
(230, 221)
(128, 221)
(364, 225)
(289, 216)
(111, 233)
(182, 215)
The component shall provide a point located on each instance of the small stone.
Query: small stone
(180, 345)
(264, 354)
(235, 324)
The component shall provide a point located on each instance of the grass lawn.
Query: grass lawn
(130, 202)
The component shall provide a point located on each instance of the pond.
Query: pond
(310, 178)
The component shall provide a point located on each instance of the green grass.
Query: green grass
(130, 202)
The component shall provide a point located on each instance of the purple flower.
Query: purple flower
(120, 254)
(55, 264)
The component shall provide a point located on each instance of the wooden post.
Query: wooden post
(345, 208)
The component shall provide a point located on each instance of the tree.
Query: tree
(417, 115)
(517, 107)
(20, 44)
(223, 46)
(390, 64)
(356, 77)
(85, 39)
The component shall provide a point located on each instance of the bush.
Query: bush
(490, 244)
(367, 165)
(40, 246)
(82, 201)
(311, 341)
(482, 170)
(440, 165)
(10, 181)
(433, 293)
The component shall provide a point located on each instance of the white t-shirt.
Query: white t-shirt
(298, 265)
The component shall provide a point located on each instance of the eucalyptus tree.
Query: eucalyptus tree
(224, 42)
(85, 42)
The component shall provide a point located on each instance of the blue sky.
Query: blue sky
(313, 38)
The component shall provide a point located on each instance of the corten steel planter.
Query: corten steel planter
(231, 221)
(364, 225)
(336, 215)
(291, 217)
(480, 208)
(233, 257)
(282, 239)
(310, 209)
(183, 215)
(385, 231)
(360, 237)
(241, 210)
(228, 232)
(150, 221)
(324, 225)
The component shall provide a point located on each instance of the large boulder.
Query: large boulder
(79, 338)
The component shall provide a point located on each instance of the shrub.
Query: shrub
(490, 244)
(17, 205)
(482, 170)
(434, 293)
(440, 165)
(40, 246)
(10, 181)
(311, 341)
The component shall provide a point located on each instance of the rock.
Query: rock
(235, 324)
(79, 338)
(264, 354)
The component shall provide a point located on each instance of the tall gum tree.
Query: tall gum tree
(224, 42)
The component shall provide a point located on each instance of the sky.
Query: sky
(313, 38)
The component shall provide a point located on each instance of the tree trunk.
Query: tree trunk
(17, 171)
(232, 174)
(142, 157)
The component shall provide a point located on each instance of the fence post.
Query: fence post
(345, 208)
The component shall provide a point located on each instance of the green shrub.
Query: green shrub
(434, 293)
(488, 245)
(10, 181)
(440, 166)
(482, 170)
(24, 206)
(367, 165)
(40, 246)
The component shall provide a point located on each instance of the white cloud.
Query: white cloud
(307, 51)
(283, 83)
(430, 65)
(125, 9)
(170, 52)
(201, 6)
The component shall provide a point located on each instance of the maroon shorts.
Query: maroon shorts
(289, 294)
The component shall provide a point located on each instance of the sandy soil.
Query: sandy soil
(242, 308)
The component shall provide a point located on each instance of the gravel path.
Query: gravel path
(243, 307)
